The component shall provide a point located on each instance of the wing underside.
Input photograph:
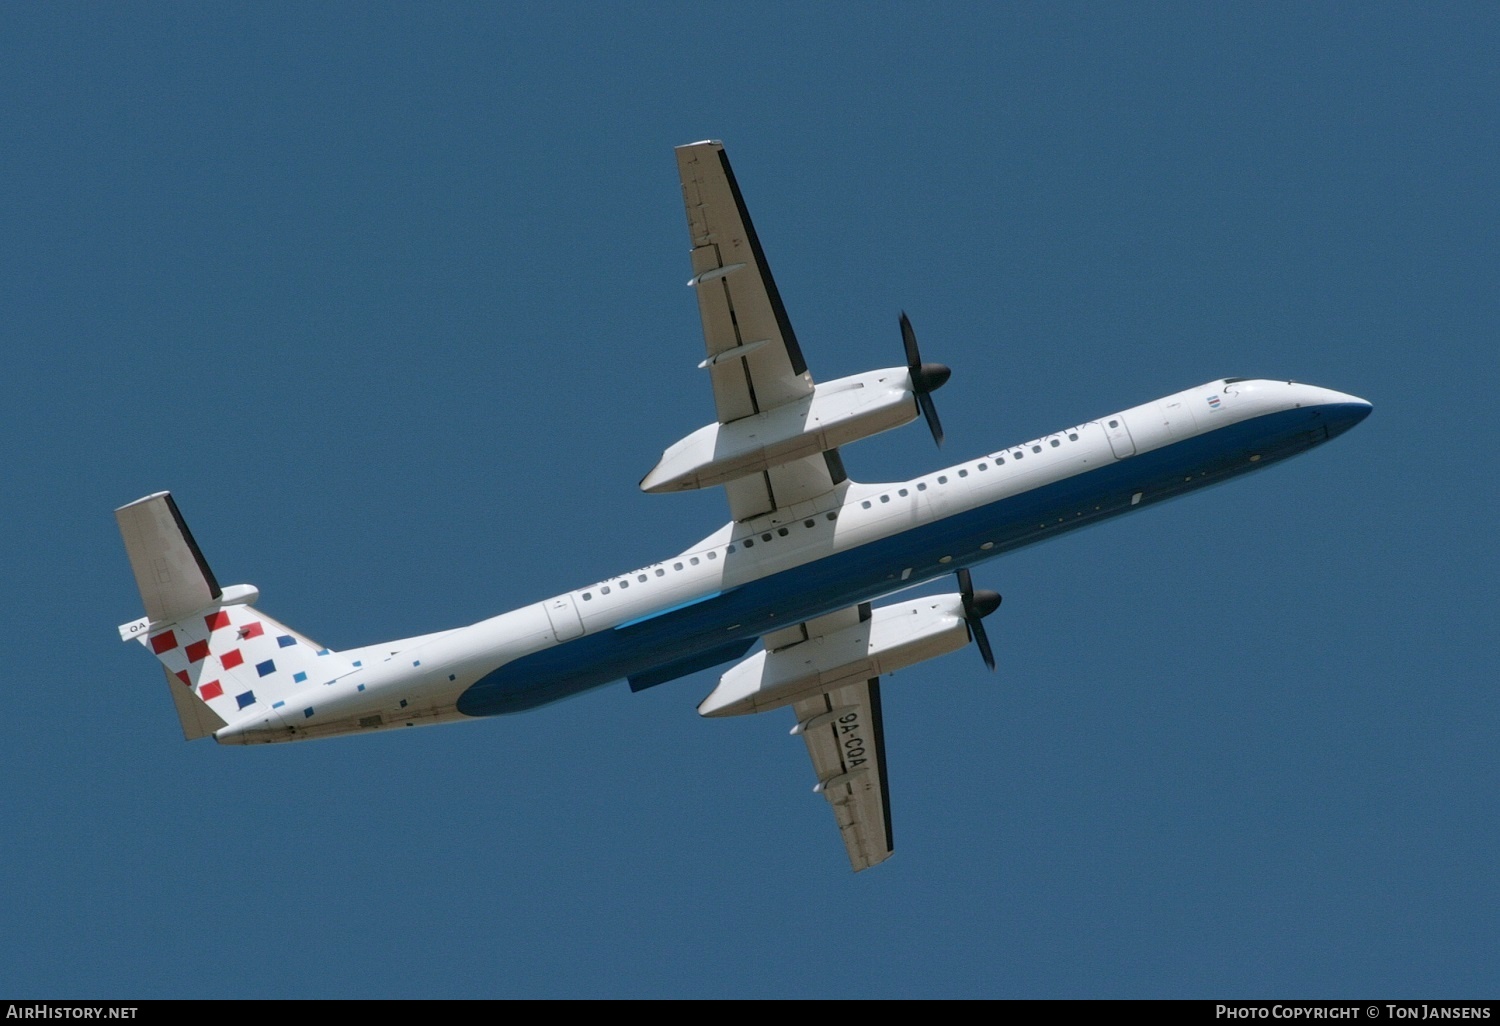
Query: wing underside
(848, 755)
(755, 365)
(845, 737)
(753, 358)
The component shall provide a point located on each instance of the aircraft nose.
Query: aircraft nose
(1345, 412)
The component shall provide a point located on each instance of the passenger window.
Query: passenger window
(942, 479)
(1017, 454)
(766, 536)
(783, 531)
(624, 584)
(832, 516)
(921, 486)
(604, 590)
(660, 572)
(749, 543)
(963, 473)
(693, 560)
(587, 596)
(730, 549)
(642, 578)
(984, 466)
(676, 566)
(999, 461)
(809, 523)
(1114, 423)
(865, 504)
(1072, 436)
(712, 554)
(1055, 443)
(885, 498)
(1036, 448)
(903, 493)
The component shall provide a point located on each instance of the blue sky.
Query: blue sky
(391, 298)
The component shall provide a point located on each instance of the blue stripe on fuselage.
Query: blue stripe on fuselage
(670, 609)
(874, 569)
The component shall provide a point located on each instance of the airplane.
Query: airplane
(798, 569)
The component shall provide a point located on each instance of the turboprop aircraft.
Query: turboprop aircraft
(799, 569)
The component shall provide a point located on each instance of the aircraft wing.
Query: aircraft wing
(753, 358)
(848, 755)
(846, 738)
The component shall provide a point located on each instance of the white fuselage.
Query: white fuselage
(708, 604)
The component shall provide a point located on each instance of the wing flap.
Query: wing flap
(783, 488)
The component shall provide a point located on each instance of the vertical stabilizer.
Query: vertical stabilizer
(225, 660)
(170, 570)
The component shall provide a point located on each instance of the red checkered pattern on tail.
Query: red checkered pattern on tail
(241, 662)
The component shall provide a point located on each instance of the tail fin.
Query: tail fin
(224, 660)
(170, 570)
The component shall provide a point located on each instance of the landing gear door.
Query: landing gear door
(563, 614)
(1119, 436)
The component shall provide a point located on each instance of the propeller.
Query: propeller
(926, 378)
(978, 605)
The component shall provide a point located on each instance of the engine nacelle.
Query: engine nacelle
(893, 638)
(836, 413)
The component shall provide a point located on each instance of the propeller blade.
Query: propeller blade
(929, 410)
(978, 605)
(976, 628)
(926, 378)
(909, 339)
